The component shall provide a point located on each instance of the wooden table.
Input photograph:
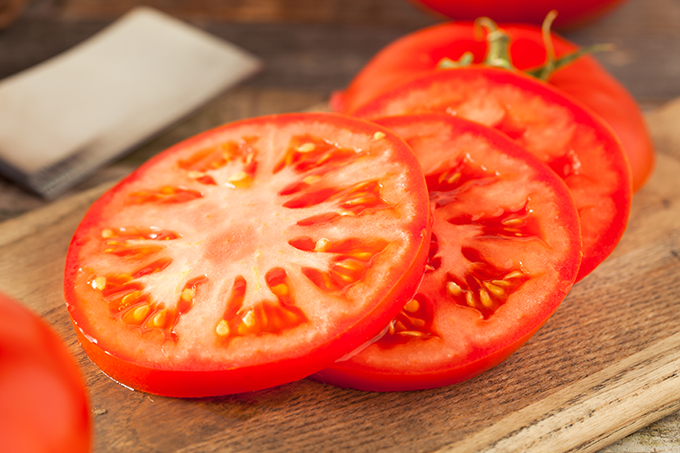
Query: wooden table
(311, 47)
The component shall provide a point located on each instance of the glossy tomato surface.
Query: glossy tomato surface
(43, 402)
(578, 146)
(584, 79)
(249, 256)
(505, 251)
(571, 13)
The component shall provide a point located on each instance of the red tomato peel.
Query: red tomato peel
(43, 401)
(579, 147)
(505, 251)
(250, 255)
(572, 13)
(585, 79)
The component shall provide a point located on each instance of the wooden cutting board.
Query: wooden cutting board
(606, 364)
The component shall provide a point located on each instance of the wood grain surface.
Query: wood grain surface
(603, 367)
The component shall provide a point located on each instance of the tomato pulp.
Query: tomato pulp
(572, 13)
(584, 79)
(505, 251)
(579, 147)
(43, 401)
(249, 256)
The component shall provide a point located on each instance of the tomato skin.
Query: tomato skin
(584, 80)
(43, 402)
(464, 344)
(350, 374)
(197, 362)
(480, 93)
(571, 13)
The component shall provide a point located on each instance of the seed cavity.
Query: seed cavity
(307, 152)
(415, 322)
(163, 195)
(262, 317)
(485, 288)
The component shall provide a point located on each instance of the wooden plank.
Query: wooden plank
(587, 415)
(603, 366)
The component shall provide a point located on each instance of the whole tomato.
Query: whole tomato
(584, 79)
(43, 401)
(572, 13)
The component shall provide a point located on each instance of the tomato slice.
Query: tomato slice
(505, 251)
(579, 147)
(585, 79)
(249, 256)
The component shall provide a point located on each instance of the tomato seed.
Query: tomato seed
(306, 147)
(322, 245)
(160, 318)
(412, 306)
(99, 283)
(280, 290)
(453, 289)
(485, 299)
(222, 328)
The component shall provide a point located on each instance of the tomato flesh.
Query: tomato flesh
(505, 250)
(584, 79)
(575, 144)
(43, 401)
(249, 256)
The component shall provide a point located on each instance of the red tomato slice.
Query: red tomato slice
(504, 253)
(572, 13)
(249, 256)
(585, 79)
(43, 400)
(579, 147)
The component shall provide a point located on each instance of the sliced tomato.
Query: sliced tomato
(578, 146)
(505, 251)
(43, 400)
(249, 256)
(584, 79)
